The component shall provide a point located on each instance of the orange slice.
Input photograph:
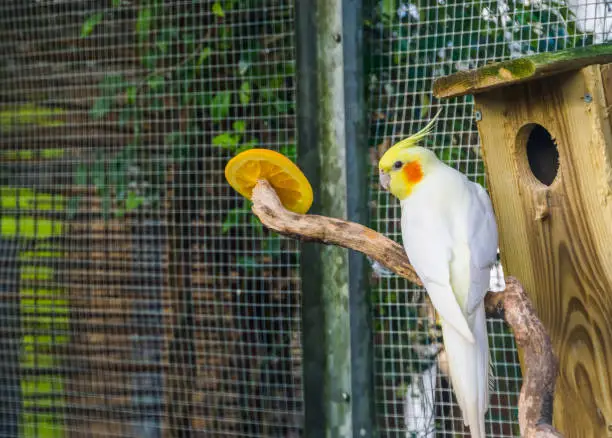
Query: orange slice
(292, 187)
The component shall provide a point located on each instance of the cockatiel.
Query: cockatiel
(449, 233)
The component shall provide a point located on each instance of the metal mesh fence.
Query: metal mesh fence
(412, 44)
(139, 297)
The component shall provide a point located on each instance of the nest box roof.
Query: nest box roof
(520, 70)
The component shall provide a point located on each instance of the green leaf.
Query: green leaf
(256, 224)
(217, 9)
(101, 107)
(116, 3)
(227, 140)
(289, 68)
(204, 54)
(143, 23)
(389, 8)
(219, 107)
(234, 218)
(248, 145)
(131, 92)
(288, 150)
(133, 201)
(239, 126)
(245, 93)
(89, 24)
(281, 106)
(156, 81)
(266, 93)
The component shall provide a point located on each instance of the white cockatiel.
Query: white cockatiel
(450, 236)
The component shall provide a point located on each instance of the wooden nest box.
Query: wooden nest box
(546, 137)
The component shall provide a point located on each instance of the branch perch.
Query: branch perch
(513, 305)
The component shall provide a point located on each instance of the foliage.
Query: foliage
(439, 37)
(217, 89)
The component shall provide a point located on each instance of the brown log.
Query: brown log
(513, 305)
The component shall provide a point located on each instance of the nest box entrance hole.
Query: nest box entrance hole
(542, 153)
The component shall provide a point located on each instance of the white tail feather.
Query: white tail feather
(469, 370)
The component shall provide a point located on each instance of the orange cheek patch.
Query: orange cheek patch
(413, 172)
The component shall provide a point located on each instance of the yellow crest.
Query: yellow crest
(414, 139)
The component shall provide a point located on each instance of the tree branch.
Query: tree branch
(513, 305)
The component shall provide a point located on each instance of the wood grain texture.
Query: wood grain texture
(557, 239)
(528, 68)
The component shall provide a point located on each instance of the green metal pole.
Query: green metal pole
(332, 150)
(356, 148)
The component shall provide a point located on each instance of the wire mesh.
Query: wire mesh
(410, 45)
(139, 297)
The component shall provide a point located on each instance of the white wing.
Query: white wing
(428, 245)
(482, 240)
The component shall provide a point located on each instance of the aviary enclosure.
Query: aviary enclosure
(140, 297)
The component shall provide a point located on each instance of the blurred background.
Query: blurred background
(139, 297)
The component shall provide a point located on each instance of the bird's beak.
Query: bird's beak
(385, 179)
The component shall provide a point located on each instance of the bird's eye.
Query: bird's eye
(397, 165)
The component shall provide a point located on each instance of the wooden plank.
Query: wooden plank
(562, 258)
(520, 70)
(606, 80)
